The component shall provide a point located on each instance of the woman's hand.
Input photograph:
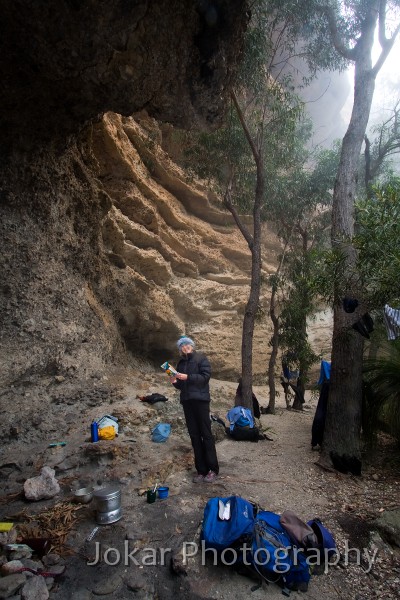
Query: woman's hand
(181, 376)
(172, 379)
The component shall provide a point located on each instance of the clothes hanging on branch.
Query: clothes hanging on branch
(392, 321)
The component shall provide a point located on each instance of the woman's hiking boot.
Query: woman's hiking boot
(210, 477)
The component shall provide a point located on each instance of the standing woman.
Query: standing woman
(194, 372)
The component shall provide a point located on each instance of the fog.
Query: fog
(326, 99)
(329, 99)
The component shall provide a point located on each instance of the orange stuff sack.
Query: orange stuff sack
(107, 433)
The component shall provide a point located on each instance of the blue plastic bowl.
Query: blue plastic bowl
(163, 492)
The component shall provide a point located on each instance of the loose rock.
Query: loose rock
(10, 584)
(42, 487)
(35, 589)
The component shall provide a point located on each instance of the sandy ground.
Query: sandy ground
(277, 475)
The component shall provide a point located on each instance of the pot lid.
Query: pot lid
(107, 493)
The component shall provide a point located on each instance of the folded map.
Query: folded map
(169, 369)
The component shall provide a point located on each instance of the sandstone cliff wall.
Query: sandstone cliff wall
(179, 262)
(130, 257)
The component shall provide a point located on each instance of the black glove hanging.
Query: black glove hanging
(364, 326)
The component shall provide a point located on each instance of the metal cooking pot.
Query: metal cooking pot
(83, 495)
(109, 517)
(107, 499)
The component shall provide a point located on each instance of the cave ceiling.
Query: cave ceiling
(65, 63)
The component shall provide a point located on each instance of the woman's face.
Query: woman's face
(186, 348)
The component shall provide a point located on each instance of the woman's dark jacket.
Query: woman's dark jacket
(198, 370)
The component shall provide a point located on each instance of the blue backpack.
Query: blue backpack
(227, 522)
(240, 417)
(274, 556)
(324, 549)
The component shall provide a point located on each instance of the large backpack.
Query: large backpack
(320, 557)
(238, 416)
(274, 556)
(227, 522)
(299, 532)
(241, 425)
(316, 540)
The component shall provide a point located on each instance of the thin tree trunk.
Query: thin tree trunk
(254, 243)
(343, 422)
(254, 296)
(303, 367)
(274, 352)
(275, 333)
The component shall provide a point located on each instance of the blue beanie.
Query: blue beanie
(184, 339)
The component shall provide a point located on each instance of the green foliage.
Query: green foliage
(329, 274)
(274, 117)
(382, 392)
(297, 304)
(377, 242)
(300, 209)
(385, 145)
(299, 201)
(296, 29)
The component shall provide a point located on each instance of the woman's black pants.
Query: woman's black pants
(198, 422)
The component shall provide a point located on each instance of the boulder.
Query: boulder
(42, 487)
(388, 525)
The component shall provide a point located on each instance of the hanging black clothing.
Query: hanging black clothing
(318, 425)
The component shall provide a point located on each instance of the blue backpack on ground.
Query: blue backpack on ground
(241, 425)
(274, 556)
(227, 522)
(324, 549)
(240, 417)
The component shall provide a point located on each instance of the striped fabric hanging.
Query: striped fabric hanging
(392, 321)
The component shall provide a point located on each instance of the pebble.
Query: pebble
(108, 585)
(56, 569)
(82, 594)
(135, 582)
(32, 564)
(52, 559)
(49, 582)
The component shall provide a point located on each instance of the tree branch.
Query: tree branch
(386, 43)
(246, 130)
(381, 23)
(340, 47)
(241, 226)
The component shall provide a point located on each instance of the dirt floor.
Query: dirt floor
(132, 557)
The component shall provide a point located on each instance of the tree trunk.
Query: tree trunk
(303, 365)
(254, 295)
(343, 422)
(254, 243)
(274, 352)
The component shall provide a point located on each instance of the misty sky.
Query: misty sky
(387, 89)
(330, 98)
